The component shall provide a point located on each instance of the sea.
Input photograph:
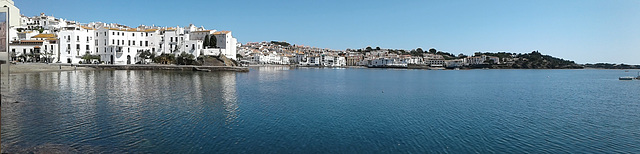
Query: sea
(322, 110)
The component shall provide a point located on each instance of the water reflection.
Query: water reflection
(116, 111)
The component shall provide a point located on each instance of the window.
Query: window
(118, 42)
(147, 34)
(134, 42)
(113, 41)
(87, 38)
(133, 34)
(87, 47)
(112, 33)
(171, 39)
(122, 42)
(129, 42)
(146, 43)
(78, 38)
(140, 43)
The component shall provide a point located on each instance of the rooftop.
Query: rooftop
(45, 36)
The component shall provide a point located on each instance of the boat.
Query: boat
(200, 69)
(626, 78)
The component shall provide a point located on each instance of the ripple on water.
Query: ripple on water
(276, 110)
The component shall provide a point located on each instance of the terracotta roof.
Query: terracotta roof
(115, 29)
(221, 32)
(30, 41)
(170, 28)
(45, 36)
(29, 31)
(85, 27)
(202, 31)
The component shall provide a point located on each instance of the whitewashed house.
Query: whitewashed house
(75, 42)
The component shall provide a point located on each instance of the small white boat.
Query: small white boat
(626, 78)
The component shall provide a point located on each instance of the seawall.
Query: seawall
(166, 67)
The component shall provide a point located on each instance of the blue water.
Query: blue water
(311, 110)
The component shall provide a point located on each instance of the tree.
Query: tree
(164, 58)
(145, 54)
(368, 49)
(415, 52)
(433, 50)
(419, 50)
(377, 48)
(213, 42)
(86, 57)
(185, 59)
(205, 43)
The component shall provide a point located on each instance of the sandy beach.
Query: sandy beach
(40, 67)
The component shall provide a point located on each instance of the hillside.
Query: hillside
(535, 60)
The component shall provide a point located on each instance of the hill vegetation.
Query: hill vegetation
(536, 60)
(611, 66)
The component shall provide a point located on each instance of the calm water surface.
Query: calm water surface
(310, 110)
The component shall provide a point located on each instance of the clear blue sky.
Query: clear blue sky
(586, 31)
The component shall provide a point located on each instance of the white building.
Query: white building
(75, 42)
(226, 42)
(33, 50)
(122, 46)
(14, 13)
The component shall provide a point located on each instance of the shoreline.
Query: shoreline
(52, 67)
(42, 67)
(165, 67)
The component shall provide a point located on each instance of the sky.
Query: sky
(585, 31)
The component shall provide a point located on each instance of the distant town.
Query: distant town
(47, 39)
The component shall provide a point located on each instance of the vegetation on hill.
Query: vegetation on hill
(611, 66)
(536, 60)
(281, 43)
